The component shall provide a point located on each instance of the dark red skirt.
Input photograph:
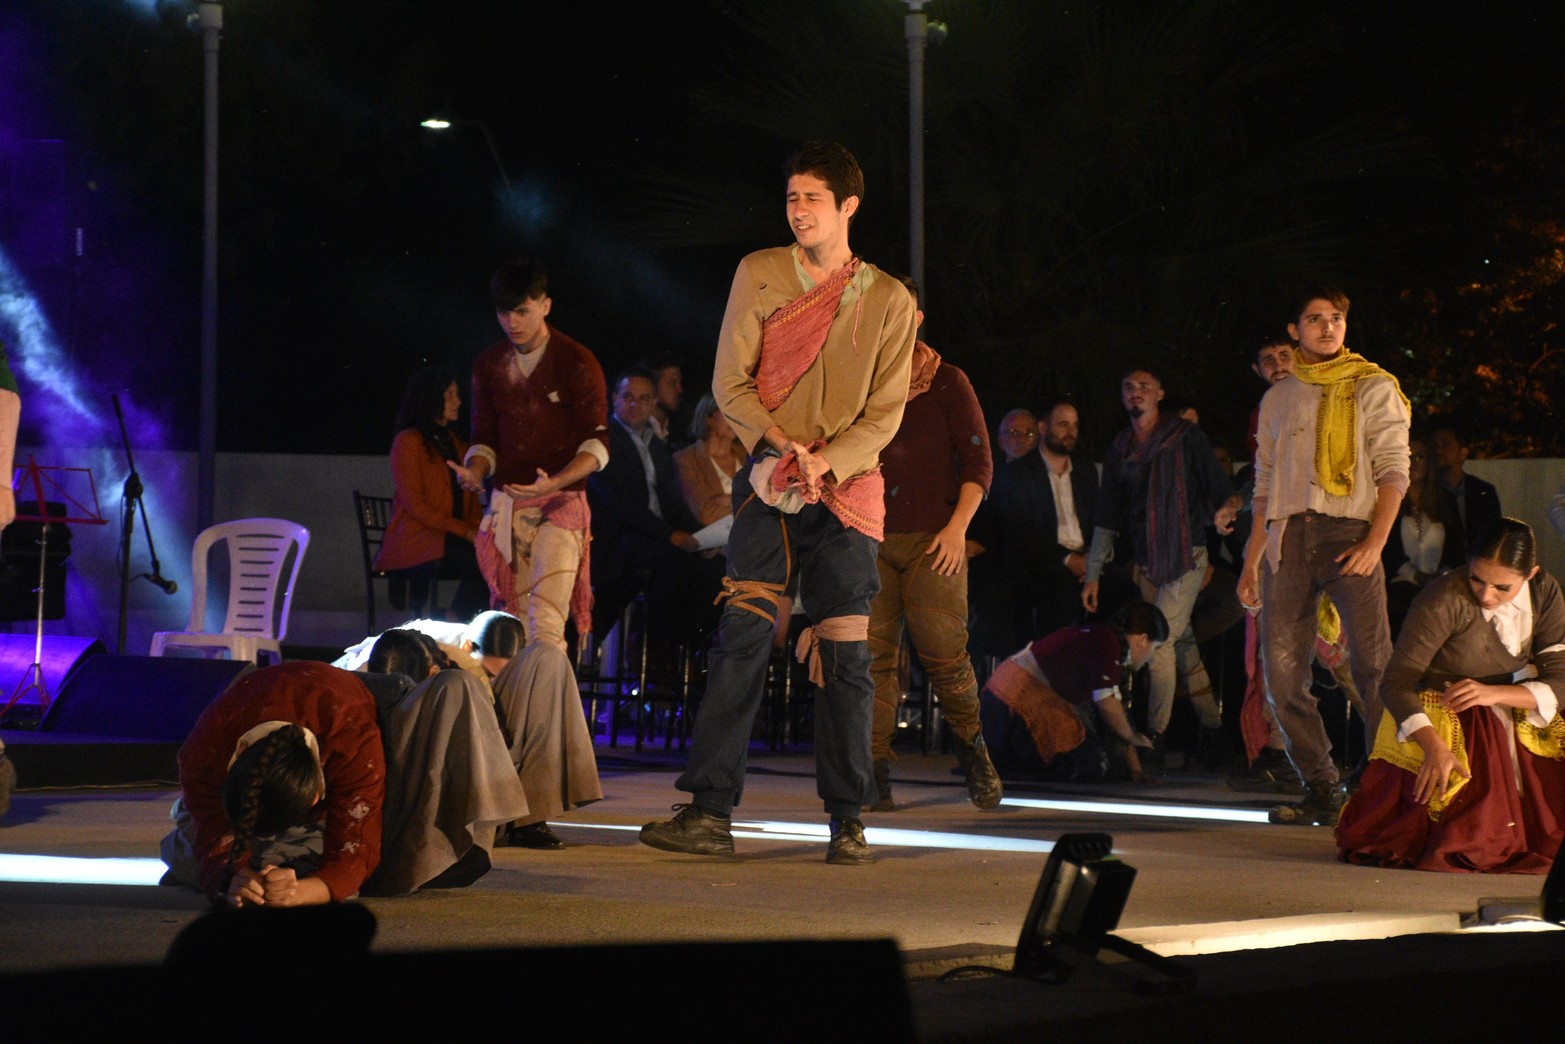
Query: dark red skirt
(1490, 828)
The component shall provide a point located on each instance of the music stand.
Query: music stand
(76, 513)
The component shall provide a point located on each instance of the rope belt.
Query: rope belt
(831, 629)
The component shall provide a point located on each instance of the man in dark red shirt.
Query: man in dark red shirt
(540, 416)
(937, 469)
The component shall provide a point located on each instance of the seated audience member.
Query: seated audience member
(707, 466)
(706, 470)
(641, 529)
(1017, 434)
(433, 520)
(1053, 710)
(1468, 771)
(293, 795)
(1035, 527)
(543, 724)
(1477, 501)
(1427, 539)
(668, 382)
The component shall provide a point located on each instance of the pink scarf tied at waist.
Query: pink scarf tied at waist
(859, 503)
(566, 509)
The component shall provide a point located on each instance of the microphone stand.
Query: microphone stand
(131, 498)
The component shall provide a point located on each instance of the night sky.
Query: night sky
(1108, 182)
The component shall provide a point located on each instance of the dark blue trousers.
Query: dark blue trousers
(836, 574)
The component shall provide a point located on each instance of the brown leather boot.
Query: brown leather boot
(983, 782)
(883, 802)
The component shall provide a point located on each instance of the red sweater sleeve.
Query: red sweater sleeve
(589, 399)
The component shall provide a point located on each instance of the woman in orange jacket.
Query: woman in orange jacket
(433, 520)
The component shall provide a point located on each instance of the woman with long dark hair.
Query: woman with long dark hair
(433, 520)
(1427, 539)
(1468, 770)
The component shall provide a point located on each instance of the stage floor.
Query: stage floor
(958, 883)
(952, 889)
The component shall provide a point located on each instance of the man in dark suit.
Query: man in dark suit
(1476, 500)
(1038, 521)
(641, 528)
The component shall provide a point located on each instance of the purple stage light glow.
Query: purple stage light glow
(40, 361)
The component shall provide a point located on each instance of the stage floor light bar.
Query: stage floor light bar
(819, 833)
(75, 870)
(1138, 808)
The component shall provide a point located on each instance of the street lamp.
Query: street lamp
(439, 123)
(208, 21)
(920, 30)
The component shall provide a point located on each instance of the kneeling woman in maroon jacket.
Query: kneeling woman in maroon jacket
(293, 795)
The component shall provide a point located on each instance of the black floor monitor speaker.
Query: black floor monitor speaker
(140, 697)
(120, 720)
(60, 657)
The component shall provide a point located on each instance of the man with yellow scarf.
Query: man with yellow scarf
(1331, 468)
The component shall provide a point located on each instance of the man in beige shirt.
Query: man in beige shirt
(1331, 467)
(812, 374)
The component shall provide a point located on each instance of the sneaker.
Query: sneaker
(983, 782)
(883, 802)
(1321, 806)
(693, 830)
(1272, 773)
(848, 846)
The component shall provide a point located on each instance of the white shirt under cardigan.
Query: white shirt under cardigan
(1286, 483)
(1513, 622)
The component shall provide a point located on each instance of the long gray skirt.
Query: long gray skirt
(450, 784)
(551, 748)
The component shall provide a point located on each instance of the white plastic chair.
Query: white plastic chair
(257, 551)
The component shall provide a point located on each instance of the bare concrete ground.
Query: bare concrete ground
(606, 888)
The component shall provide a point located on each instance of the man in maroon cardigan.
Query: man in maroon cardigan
(540, 416)
(937, 470)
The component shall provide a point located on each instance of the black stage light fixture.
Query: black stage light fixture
(1551, 901)
(1075, 909)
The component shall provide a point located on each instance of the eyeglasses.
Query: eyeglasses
(1020, 433)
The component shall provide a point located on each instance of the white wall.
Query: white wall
(317, 492)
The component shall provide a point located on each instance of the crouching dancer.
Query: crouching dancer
(1053, 710)
(292, 795)
(812, 374)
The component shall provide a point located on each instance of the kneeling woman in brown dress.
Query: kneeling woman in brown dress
(1468, 770)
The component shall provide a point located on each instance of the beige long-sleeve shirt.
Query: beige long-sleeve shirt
(852, 397)
(1286, 482)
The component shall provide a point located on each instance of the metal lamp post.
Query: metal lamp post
(208, 20)
(919, 32)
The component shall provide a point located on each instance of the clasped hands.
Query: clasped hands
(268, 886)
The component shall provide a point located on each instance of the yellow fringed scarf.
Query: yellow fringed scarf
(1336, 442)
(1546, 742)
(1406, 754)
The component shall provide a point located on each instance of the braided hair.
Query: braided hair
(271, 786)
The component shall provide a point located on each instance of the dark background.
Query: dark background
(1108, 182)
